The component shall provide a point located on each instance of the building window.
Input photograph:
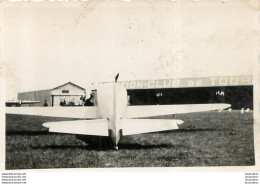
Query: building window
(65, 91)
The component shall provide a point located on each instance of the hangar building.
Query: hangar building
(235, 90)
(68, 93)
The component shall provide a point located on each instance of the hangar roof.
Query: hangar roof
(67, 84)
(51, 89)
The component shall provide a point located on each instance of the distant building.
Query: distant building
(68, 94)
(235, 90)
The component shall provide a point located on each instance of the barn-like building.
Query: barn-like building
(68, 94)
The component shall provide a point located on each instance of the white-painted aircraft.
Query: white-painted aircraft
(18, 103)
(112, 117)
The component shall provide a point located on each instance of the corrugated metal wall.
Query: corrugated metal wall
(41, 95)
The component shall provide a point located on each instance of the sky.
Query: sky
(46, 45)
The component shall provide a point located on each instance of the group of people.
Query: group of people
(85, 102)
(89, 101)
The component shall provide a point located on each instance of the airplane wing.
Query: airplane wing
(67, 112)
(138, 126)
(87, 127)
(21, 102)
(29, 102)
(159, 110)
(12, 103)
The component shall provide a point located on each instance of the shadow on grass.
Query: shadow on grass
(104, 143)
(35, 133)
(188, 130)
(97, 143)
(194, 130)
(136, 146)
(127, 146)
(32, 133)
(66, 147)
(90, 147)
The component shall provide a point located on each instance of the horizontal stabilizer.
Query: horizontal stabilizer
(86, 127)
(66, 112)
(159, 110)
(139, 126)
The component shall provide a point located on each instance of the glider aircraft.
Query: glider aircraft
(112, 116)
(18, 103)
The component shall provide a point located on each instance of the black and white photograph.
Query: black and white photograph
(130, 84)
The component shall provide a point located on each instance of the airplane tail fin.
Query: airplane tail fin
(139, 126)
(97, 127)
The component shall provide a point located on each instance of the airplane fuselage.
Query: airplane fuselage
(112, 102)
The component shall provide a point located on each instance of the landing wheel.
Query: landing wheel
(116, 147)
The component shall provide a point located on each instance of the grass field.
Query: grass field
(205, 139)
